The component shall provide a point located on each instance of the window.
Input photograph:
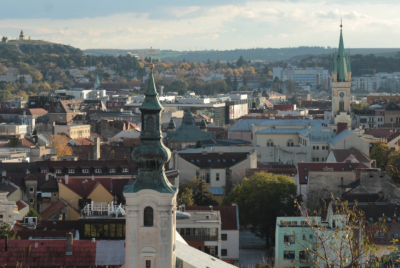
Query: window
(313, 159)
(224, 237)
(125, 170)
(199, 248)
(290, 143)
(342, 168)
(54, 194)
(148, 217)
(270, 143)
(303, 256)
(58, 170)
(341, 106)
(288, 255)
(317, 159)
(288, 239)
(317, 147)
(150, 124)
(85, 170)
(333, 224)
(43, 171)
(224, 252)
(323, 147)
(217, 177)
(304, 237)
(1, 217)
(111, 170)
(323, 159)
(31, 190)
(71, 170)
(350, 166)
(97, 170)
(305, 168)
(306, 177)
(31, 200)
(148, 264)
(313, 147)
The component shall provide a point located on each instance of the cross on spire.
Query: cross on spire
(151, 53)
(341, 24)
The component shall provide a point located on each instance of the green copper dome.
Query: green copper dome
(151, 155)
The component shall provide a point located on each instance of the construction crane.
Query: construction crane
(374, 88)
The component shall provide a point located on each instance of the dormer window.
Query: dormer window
(85, 170)
(58, 171)
(97, 170)
(71, 170)
(44, 171)
(111, 170)
(125, 170)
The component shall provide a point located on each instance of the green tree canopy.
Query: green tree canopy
(240, 62)
(202, 195)
(5, 230)
(179, 86)
(33, 213)
(380, 152)
(261, 198)
(199, 144)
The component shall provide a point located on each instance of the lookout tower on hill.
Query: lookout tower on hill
(21, 35)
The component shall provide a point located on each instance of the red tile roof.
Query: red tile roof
(229, 217)
(28, 142)
(342, 154)
(305, 168)
(21, 204)
(50, 253)
(84, 141)
(85, 189)
(54, 208)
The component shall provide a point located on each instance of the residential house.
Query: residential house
(73, 131)
(351, 155)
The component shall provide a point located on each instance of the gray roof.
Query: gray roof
(247, 124)
(273, 130)
(200, 217)
(340, 136)
(321, 136)
(189, 131)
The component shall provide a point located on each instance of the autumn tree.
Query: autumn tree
(60, 143)
(261, 198)
(380, 152)
(185, 197)
(202, 195)
(5, 231)
(393, 165)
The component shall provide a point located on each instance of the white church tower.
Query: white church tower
(341, 84)
(151, 199)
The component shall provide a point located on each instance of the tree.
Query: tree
(202, 195)
(235, 83)
(229, 82)
(291, 86)
(261, 198)
(185, 197)
(345, 242)
(244, 81)
(240, 62)
(4, 39)
(218, 65)
(393, 165)
(179, 86)
(33, 213)
(265, 94)
(380, 152)
(199, 144)
(293, 100)
(60, 143)
(255, 93)
(5, 231)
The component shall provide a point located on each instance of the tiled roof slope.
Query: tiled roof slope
(214, 160)
(229, 216)
(342, 154)
(56, 206)
(50, 253)
(305, 168)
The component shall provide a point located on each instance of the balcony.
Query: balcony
(200, 237)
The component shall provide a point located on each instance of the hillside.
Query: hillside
(29, 47)
(269, 54)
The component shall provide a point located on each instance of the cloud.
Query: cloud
(228, 25)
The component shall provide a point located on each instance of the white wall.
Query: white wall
(232, 244)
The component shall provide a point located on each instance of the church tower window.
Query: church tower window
(150, 124)
(148, 217)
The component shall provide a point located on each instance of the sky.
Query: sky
(207, 24)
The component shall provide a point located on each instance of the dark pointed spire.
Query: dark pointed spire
(341, 58)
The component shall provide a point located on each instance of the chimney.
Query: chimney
(66, 179)
(4, 173)
(70, 242)
(47, 177)
(92, 177)
(96, 149)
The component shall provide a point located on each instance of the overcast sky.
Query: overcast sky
(206, 24)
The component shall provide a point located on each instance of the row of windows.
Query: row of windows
(85, 170)
(316, 159)
(322, 147)
(104, 230)
(290, 255)
(201, 231)
(289, 143)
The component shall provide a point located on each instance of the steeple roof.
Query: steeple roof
(97, 81)
(341, 60)
(151, 101)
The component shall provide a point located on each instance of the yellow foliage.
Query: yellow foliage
(60, 143)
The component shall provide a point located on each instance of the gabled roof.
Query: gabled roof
(49, 185)
(229, 215)
(340, 137)
(342, 154)
(85, 189)
(8, 187)
(84, 141)
(54, 208)
(21, 204)
(214, 160)
(305, 167)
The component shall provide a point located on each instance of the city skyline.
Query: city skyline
(204, 25)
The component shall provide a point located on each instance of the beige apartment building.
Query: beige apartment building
(11, 129)
(74, 131)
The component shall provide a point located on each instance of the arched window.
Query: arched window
(150, 124)
(148, 217)
(341, 106)
(270, 143)
(290, 143)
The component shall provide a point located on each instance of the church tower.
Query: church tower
(341, 84)
(97, 82)
(21, 35)
(151, 199)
